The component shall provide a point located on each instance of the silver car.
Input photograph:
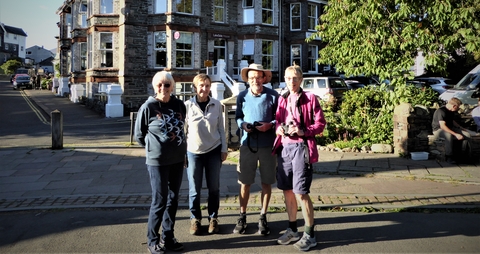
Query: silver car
(438, 84)
(466, 89)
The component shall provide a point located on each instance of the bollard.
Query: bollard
(57, 129)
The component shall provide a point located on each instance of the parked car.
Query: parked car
(324, 87)
(21, 80)
(438, 84)
(467, 89)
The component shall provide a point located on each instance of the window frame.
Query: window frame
(248, 4)
(157, 50)
(184, 51)
(105, 51)
(160, 6)
(217, 8)
(184, 7)
(105, 6)
(312, 17)
(299, 57)
(312, 65)
(267, 55)
(267, 12)
(299, 18)
(83, 47)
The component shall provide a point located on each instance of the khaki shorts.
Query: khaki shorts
(249, 162)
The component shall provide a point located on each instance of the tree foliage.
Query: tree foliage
(10, 66)
(383, 37)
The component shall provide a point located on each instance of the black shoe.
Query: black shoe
(241, 225)
(156, 249)
(263, 228)
(451, 161)
(173, 244)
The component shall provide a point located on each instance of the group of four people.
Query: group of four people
(278, 138)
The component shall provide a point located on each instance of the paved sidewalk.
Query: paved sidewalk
(117, 177)
(112, 175)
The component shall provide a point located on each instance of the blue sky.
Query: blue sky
(36, 17)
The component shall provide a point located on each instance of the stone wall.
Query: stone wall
(411, 127)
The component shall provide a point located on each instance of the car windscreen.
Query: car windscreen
(23, 78)
(469, 79)
(337, 83)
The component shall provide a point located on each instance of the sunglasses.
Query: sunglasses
(166, 85)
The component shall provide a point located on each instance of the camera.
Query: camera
(252, 126)
(285, 128)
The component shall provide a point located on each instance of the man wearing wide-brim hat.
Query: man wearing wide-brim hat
(255, 116)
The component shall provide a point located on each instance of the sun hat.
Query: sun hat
(256, 67)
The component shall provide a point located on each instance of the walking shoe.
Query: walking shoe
(173, 244)
(156, 249)
(195, 226)
(306, 242)
(241, 225)
(213, 227)
(263, 228)
(288, 237)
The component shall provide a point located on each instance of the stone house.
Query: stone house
(126, 42)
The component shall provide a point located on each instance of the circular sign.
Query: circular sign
(176, 35)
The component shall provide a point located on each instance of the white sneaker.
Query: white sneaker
(288, 237)
(306, 242)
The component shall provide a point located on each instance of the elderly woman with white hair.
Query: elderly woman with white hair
(160, 129)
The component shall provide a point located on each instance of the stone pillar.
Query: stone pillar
(114, 107)
(238, 87)
(63, 88)
(217, 90)
(76, 92)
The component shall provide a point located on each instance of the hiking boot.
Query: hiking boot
(173, 244)
(263, 228)
(306, 242)
(213, 227)
(156, 249)
(288, 237)
(195, 226)
(241, 225)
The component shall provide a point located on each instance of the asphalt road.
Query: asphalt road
(124, 231)
(26, 114)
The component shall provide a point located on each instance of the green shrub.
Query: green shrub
(365, 116)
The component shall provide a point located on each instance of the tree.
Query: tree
(383, 37)
(10, 66)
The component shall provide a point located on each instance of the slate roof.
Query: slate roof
(14, 30)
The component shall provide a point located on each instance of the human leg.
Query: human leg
(212, 176)
(158, 180)
(246, 176)
(195, 178)
(284, 182)
(175, 176)
(268, 164)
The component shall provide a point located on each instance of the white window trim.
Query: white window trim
(101, 50)
(193, 8)
(155, 49)
(245, 2)
(299, 17)
(160, 6)
(271, 11)
(217, 7)
(292, 58)
(269, 55)
(184, 50)
(311, 57)
(312, 17)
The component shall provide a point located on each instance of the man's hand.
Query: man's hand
(458, 136)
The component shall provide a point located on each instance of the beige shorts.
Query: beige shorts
(249, 162)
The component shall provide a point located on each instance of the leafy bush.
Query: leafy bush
(366, 115)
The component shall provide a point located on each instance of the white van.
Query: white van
(465, 88)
